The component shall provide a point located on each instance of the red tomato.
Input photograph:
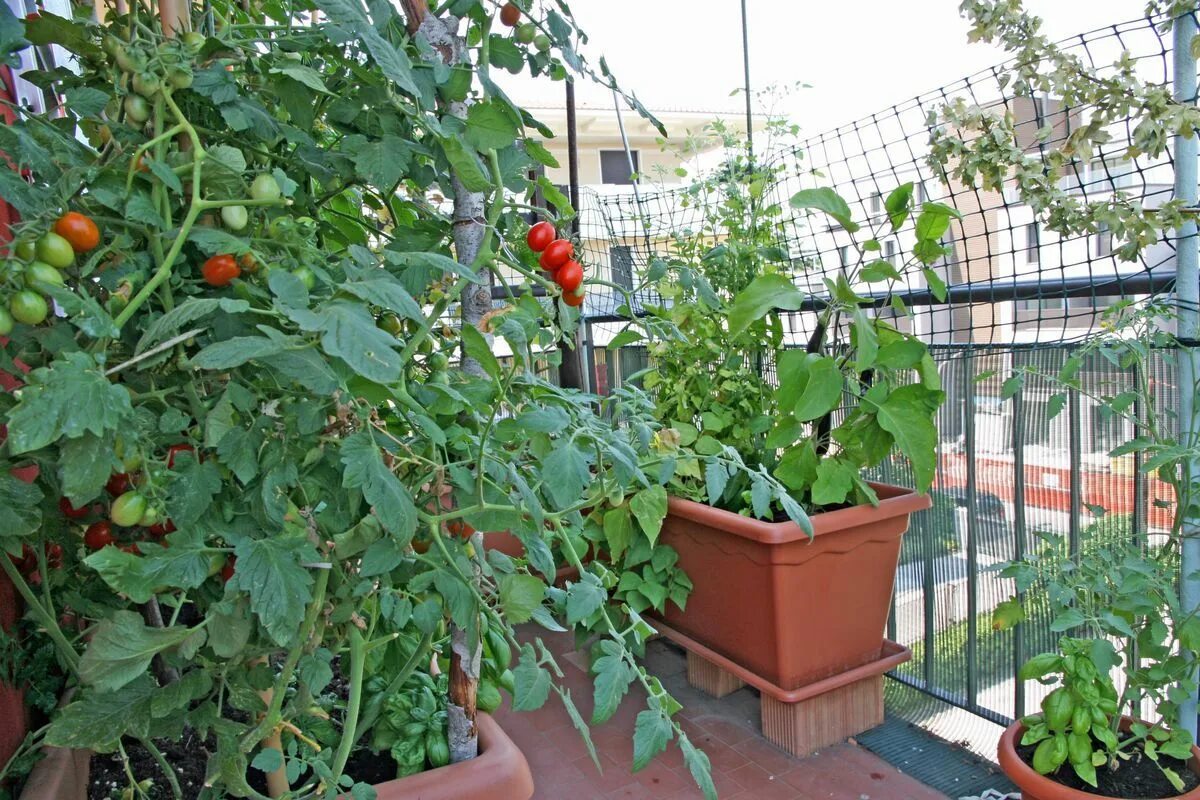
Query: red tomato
(544, 264)
(98, 534)
(79, 230)
(70, 511)
(572, 299)
(459, 528)
(161, 529)
(227, 570)
(539, 236)
(175, 450)
(54, 555)
(510, 14)
(557, 253)
(131, 548)
(26, 562)
(569, 276)
(118, 484)
(220, 270)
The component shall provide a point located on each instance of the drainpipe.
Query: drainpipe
(1187, 298)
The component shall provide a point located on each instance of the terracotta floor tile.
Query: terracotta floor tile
(661, 779)
(761, 785)
(729, 731)
(767, 755)
(614, 776)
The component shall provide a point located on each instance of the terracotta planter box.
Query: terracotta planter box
(510, 545)
(14, 719)
(790, 609)
(1035, 786)
(500, 772)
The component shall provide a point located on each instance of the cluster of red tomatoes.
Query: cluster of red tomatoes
(37, 268)
(558, 259)
(129, 518)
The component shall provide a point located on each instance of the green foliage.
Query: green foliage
(311, 467)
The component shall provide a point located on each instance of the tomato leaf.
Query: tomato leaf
(649, 507)
(98, 720)
(364, 469)
(121, 648)
(270, 571)
(651, 733)
(584, 598)
(618, 530)
(613, 679)
(699, 766)
(520, 595)
(69, 398)
(531, 683)
(20, 512)
(84, 466)
(476, 346)
(822, 391)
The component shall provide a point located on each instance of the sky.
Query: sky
(859, 56)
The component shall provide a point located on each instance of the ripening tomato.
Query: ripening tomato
(54, 555)
(526, 33)
(539, 236)
(228, 570)
(131, 548)
(248, 263)
(175, 450)
(55, 250)
(161, 529)
(220, 270)
(510, 14)
(70, 511)
(391, 323)
(557, 253)
(28, 307)
(79, 230)
(459, 528)
(572, 299)
(99, 535)
(137, 110)
(118, 483)
(128, 510)
(569, 276)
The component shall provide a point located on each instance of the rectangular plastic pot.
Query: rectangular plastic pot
(788, 608)
(499, 772)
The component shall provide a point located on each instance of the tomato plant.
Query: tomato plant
(346, 426)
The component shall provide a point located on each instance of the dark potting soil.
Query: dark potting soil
(1139, 777)
(188, 757)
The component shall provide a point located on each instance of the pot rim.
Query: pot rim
(1030, 781)
(895, 501)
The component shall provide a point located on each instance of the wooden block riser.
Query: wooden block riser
(803, 727)
(706, 676)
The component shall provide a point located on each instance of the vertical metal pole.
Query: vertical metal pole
(968, 386)
(1018, 443)
(570, 373)
(1187, 294)
(746, 78)
(1075, 448)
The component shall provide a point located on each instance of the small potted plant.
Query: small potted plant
(1110, 724)
(793, 560)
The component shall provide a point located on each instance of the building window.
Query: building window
(1032, 243)
(876, 203)
(1039, 110)
(620, 260)
(1102, 242)
(614, 167)
(889, 252)
(921, 194)
(844, 255)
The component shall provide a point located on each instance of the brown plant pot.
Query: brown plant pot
(499, 772)
(511, 546)
(1035, 786)
(14, 719)
(788, 608)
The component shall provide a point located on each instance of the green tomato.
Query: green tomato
(41, 276)
(216, 562)
(265, 187)
(306, 276)
(28, 307)
(25, 250)
(526, 33)
(128, 61)
(146, 84)
(149, 517)
(234, 217)
(137, 110)
(6, 322)
(179, 78)
(55, 250)
(193, 41)
(128, 509)
(437, 362)
(541, 42)
(130, 458)
(391, 323)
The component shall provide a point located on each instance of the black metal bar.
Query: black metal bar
(968, 385)
(951, 699)
(570, 371)
(746, 77)
(1018, 633)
